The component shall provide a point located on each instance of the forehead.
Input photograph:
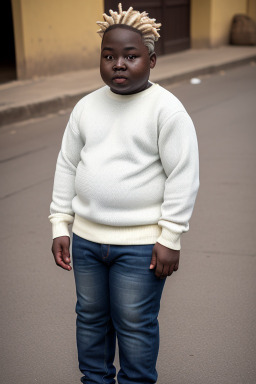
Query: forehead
(122, 38)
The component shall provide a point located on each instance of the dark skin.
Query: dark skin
(125, 67)
(125, 62)
(60, 251)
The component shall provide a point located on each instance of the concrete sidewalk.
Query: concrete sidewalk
(21, 100)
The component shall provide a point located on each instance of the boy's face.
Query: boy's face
(125, 61)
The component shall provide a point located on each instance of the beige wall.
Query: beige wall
(211, 20)
(221, 19)
(200, 23)
(252, 9)
(53, 36)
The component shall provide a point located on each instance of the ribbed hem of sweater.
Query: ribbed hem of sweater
(106, 234)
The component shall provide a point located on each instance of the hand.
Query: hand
(60, 250)
(164, 260)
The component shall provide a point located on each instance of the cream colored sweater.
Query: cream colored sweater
(127, 171)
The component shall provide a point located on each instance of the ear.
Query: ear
(152, 58)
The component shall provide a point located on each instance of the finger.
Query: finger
(171, 269)
(60, 262)
(66, 259)
(63, 265)
(165, 272)
(159, 269)
(66, 255)
(176, 267)
(153, 261)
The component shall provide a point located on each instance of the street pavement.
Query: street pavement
(207, 316)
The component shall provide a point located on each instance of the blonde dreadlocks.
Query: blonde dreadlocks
(140, 21)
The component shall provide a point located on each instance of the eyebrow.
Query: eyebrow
(112, 49)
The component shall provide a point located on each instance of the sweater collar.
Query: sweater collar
(117, 96)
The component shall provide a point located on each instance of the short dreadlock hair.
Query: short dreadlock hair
(132, 19)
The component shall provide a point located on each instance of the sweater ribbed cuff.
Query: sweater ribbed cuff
(169, 239)
(60, 222)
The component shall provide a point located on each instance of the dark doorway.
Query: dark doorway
(7, 49)
(174, 16)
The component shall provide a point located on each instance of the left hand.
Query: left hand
(164, 260)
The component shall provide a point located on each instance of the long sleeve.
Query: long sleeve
(179, 156)
(64, 180)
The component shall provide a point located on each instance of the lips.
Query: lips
(119, 79)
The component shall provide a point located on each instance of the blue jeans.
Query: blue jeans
(117, 295)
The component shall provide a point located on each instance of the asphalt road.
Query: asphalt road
(208, 312)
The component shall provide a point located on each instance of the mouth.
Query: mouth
(119, 79)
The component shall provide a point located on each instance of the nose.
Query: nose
(119, 65)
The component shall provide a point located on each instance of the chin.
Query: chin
(122, 90)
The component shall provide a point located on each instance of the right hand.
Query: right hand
(60, 250)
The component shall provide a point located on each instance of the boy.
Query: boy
(127, 177)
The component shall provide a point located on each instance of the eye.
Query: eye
(131, 57)
(109, 57)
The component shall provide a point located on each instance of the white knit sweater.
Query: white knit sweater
(127, 172)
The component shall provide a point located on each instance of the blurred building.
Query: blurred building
(46, 37)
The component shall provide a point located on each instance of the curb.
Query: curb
(211, 69)
(20, 113)
(39, 108)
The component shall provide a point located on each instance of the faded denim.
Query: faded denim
(117, 295)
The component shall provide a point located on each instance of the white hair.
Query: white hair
(134, 19)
